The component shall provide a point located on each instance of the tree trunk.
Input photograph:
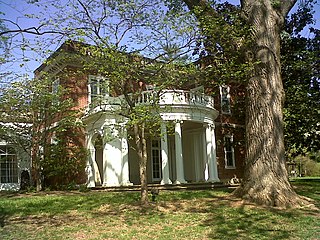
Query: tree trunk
(36, 174)
(265, 178)
(139, 132)
(35, 158)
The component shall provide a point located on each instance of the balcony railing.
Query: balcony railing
(176, 98)
(170, 98)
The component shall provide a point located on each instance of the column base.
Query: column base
(213, 180)
(164, 182)
(127, 183)
(177, 182)
(91, 184)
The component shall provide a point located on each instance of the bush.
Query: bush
(64, 166)
(307, 166)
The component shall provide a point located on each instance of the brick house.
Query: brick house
(14, 162)
(207, 144)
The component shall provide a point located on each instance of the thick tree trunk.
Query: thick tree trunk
(142, 154)
(265, 179)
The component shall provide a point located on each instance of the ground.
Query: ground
(205, 214)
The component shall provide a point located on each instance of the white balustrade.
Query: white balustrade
(176, 97)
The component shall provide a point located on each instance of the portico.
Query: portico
(188, 154)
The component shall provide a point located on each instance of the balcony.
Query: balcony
(177, 98)
(175, 105)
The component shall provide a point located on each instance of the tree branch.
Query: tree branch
(30, 30)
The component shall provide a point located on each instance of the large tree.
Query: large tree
(265, 177)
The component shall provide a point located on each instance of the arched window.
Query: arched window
(8, 164)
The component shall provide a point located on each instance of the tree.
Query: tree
(265, 177)
(120, 33)
(300, 71)
(127, 75)
(30, 110)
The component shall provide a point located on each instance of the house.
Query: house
(206, 144)
(14, 163)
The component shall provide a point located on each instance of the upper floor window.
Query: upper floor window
(8, 164)
(229, 152)
(55, 85)
(225, 99)
(98, 87)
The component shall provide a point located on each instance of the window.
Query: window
(229, 152)
(225, 99)
(98, 87)
(156, 159)
(8, 165)
(55, 85)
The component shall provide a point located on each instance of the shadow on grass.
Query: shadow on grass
(57, 203)
(213, 211)
(245, 221)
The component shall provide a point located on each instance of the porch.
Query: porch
(186, 155)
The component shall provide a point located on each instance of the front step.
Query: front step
(185, 186)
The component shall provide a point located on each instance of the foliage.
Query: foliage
(205, 214)
(3, 44)
(111, 39)
(30, 110)
(300, 71)
(306, 166)
(64, 163)
(224, 44)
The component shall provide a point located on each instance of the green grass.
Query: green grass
(205, 214)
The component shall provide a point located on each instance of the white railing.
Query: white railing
(176, 97)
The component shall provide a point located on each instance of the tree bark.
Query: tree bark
(139, 133)
(265, 178)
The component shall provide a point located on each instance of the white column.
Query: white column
(124, 152)
(164, 155)
(112, 158)
(90, 163)
(179, 158)
(211, 154)
(205, 157)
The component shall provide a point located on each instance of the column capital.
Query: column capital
(209, 125)
(178, 121)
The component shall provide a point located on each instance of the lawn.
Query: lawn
(205, 214)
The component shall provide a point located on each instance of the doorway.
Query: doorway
(98, 146)
(156, 160)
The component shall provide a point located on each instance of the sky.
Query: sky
(14, 10)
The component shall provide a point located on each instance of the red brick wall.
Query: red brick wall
(231, 124)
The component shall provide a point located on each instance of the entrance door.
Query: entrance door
(156, 160)
(98, 145)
